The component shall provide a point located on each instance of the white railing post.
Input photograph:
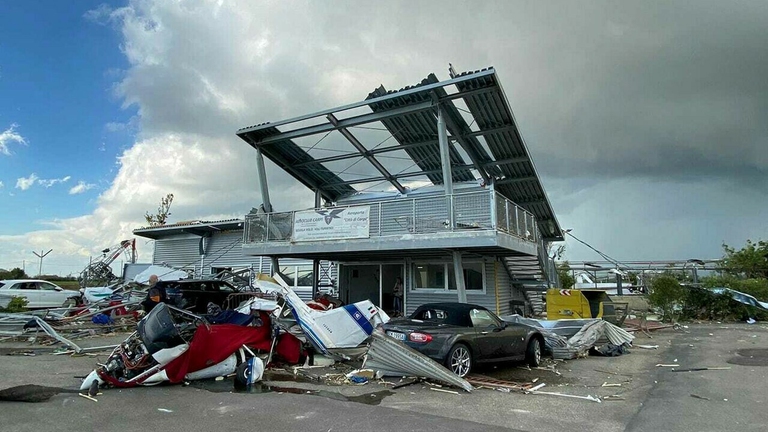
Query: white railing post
(506, 212)
(267, 227)
(494, 218)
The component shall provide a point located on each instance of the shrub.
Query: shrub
(667, 295)
(17, 304)
(704, 304)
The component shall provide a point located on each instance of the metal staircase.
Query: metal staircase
(534, 274)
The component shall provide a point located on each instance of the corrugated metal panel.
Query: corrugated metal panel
(415, 130)
(418, 128)
(288, 156)
(226, 250)
(493, 115)
(394, 358)
(182, 253)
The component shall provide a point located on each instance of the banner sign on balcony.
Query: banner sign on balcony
(331, 224)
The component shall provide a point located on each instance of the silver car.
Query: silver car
(39, 293)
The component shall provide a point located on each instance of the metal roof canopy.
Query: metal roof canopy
(198, 228)
(494, 148)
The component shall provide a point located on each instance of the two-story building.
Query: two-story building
(432, 184)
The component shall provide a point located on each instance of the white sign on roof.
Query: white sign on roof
(332, 224)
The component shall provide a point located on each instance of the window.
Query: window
(297, 276)
(429, 276)
(46, 286)
(433, 315)
(473, 276)
(442, 277)
(304, 276)
(288, 274)
(482, 318)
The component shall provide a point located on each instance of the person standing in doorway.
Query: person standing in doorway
(397, 300)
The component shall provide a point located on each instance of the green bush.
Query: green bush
(704, 304)
(667, 295)
(17, 304)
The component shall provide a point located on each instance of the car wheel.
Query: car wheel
(459, 360)
(533, 352)
(70, 302)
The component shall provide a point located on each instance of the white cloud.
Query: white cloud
(2, 184)
(25, 183)
(81, 187)
(8, 136)
(46, 183)
(198, 71)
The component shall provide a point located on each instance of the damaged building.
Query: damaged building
(432, 184)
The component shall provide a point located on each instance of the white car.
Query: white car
(39, 293)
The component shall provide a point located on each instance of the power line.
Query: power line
(607, 258)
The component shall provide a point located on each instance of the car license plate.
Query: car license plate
(396, 335)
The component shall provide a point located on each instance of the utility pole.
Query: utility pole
(41, 255)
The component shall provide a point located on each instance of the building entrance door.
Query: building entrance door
(374, 282)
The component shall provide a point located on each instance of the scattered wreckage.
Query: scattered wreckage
(272, 326)
(174, 345)
(462, 334)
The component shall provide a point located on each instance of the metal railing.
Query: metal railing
(418, 215)
(515, 220)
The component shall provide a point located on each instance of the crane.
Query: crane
(99, 272)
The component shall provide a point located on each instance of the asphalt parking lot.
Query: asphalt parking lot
(726, 391)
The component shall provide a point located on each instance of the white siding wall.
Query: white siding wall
(178, 252)
(226, 250)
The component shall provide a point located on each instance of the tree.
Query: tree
(163, 211)
(15, 273)
(564, 274)
(666, 294)
(750, 262)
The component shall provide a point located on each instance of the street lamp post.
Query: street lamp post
(41, 255)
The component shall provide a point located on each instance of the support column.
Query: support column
(458, 271)
(263, 181)
(619, 290)
(316, 261)
(445, 160)
(381, 286)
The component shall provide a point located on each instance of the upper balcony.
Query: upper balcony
(437, 133)
(483, 221)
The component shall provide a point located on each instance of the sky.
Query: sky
(646, 121)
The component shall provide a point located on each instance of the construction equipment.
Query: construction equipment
(584, 303)
(99, 273)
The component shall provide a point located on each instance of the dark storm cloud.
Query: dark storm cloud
(665, 91)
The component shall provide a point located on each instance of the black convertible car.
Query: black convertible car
(460, 335)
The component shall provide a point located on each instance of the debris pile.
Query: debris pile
(260, 336)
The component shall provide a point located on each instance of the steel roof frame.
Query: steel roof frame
(407, 114)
